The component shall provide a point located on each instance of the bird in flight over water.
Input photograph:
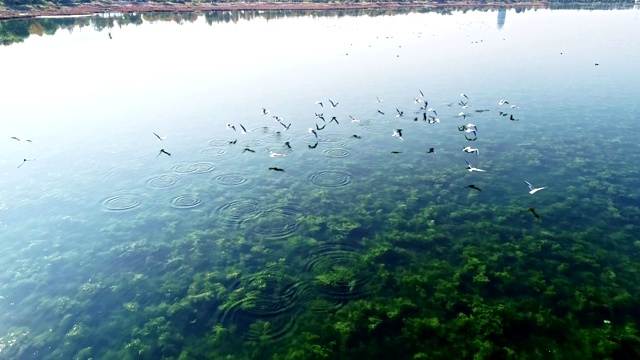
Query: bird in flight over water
(24, 161)
(162, 151)
(533, 190)
(471, 168)
(533, 211)
(21, 140)
(160, 138)
(474, 187)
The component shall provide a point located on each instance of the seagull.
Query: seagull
(265, 111)
(249, 150)
(353, 120)
(162, 151)
(471, 126)
(380, 112)
(474, 187)
(333, 118)
(471, 168)
(468, 149)
(320, 128)
(356, 136)
(502, 102)
(396, 152)
(320, 116)
(229, 126)
(532, 189)
(431, 150)
(24, 161)
(160, 138)
(313, 146)
(464, 96)
(286, 143)
(512, 118)
(470, 139)
(379, 100)
(533, 211)
(398, 133)
(471, 131)
(233, 142)
(110, 35)
(433, 111)
(244, 131)
(421, 94)
(21, 140)
(276, 169)
(286, 127)
(333, 104)
(311, 130)
(400, 113)
(319, 103)
(273, 153)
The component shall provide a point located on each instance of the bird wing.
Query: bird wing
(529, 184)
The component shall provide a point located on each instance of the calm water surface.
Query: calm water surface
(111, 249)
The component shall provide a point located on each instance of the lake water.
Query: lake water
(366, 245)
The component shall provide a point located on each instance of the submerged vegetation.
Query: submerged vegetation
(375, 259)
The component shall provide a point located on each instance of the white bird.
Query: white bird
(229, 126)
(471, 168)
(244, 131)
(472, 126)
(313, 131)
(398, 133)
(333, 104)
(532, 189)
(319, 103)
(265, 111)
(502, 102)
(21, 140)
(471, 131)
(470, 150)
(354, 120)
(160, 138)
(379, 100)
(286, 127)
(433, 111)
(464, 96)
(273, 153)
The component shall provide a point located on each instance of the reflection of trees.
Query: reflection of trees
(12, 31)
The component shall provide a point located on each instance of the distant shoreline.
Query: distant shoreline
(116, 7)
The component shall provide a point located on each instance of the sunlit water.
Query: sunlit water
(112, 249)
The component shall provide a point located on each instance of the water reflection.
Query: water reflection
(17, 30)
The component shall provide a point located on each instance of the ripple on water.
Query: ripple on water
(194, 168)
(121, 202)
(339, 272)
(220, 142)
(238, 210)
(332, 139)
(330, 178)
(231, 179)
(215, 152)
(163, 181)
(376, 129)
(185, 201)
(268, 305)
(252, 142)
(278, 222)
(336, 153)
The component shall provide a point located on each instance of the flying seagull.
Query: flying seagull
(356, 136)
(162, 151)
(313, 131)
(464, 96)
(470, 150)
(320, 128)
(400, 113)
(248, 149)
(160, 138)
(398, 133)
(24, 161)
(502, 102)
(532, 189)
(471, 168)
(333, 104)
(431, 150)
(244, 131)
(319, 103)
(265, 111)
(286, 127)
(276, 169)
(533, 211)
(21, 140)
(380, 112)
(229, 126)
(313, 146)
(474, 187)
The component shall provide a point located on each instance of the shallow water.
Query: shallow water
(363, 245)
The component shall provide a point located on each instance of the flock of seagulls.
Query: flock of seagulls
(425, 113)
